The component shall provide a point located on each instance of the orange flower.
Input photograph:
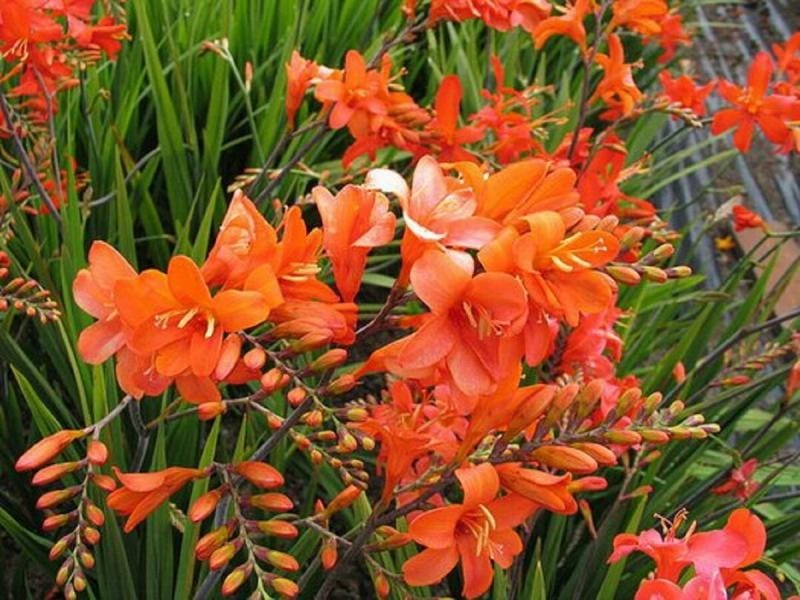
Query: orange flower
(472, 330)
(299, 73)
(435, 210)
(142, 493)
(754, 106)
(445, 125)
(520, 188)
(617, 88)
(570, 24)
(358, 97)
(175, 317)
(245, 242)
(744, 218)
(671, 35)
(684, 91)
(643, 16)
(558, 271)
(93, 290)
(475, 533)
(354, 221)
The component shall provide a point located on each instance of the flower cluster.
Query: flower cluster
(718, 557)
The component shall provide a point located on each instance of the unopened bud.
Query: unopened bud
(235, 579)
(254, 359)
(272, 502)
(654, 436)
(54, 522)
(623, 274)
(382, 587)
(664, 251)
(55, 472)
(280, 529)
(295, 396)
(285, 587)
(96, 452)
(357, 414)
(281, 560)
(222, 556)
(343, 499)
(565, 458)
(655, 274)
(342, 384)
(632, 237)
(623, 437)
(679, 272)
(328, 554)
(330, 360)
(210, 410)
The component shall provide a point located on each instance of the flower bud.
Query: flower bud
(285, 587)
(235, 579)
(254, 359)
(86, 559)
(341, 384)
(623, 437)
(382, 587)
(343, 499)
(210, 410)
(654, 436)
(536, 401)
(328, 554)
(330, 360)
(281, 560)
(259, 474)
(295, 396)
(565, 458)
(104, 482)
(45, 450)
(271, 380)
(603, 456)
(205, 505)
(664, 251)
(627, 401)
(91, 535)
(229, 356)
(222, 556)
(313, 419)
(679, 272)
(655, 274)
(96, 452)
(207, 544)
(56, 497)
(57, 521)
(272, 502)
(623, 274)
(55, 472)
(632, 237)
(280, 529)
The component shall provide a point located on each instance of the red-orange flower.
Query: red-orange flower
(93, 290)
(570, 24)
(436, 210)
(299, 73)
(445, 127)
(753, 105)
(643, 16)
(472, 329)
(142, 493)
(740, 484)
(558, 271)
(617, 88)
(475, 533)
(354, 221)
(744, 218)
(684, 91)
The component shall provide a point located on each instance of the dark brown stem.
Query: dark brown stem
(25, 160)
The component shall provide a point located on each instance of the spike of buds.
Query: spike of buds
(259, 474)
(45, 450)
